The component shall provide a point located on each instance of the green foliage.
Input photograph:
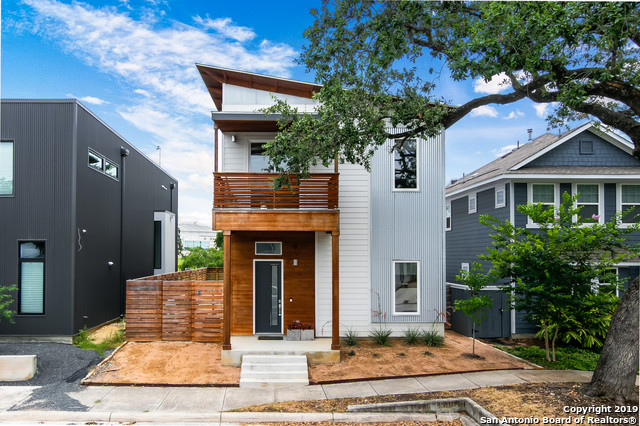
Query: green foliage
(554, 267)
(432, 338)
(351, 337)
(380, 336)
(475, 307)
(202, 258)
(83, 341)
(219, 241)
(6, 301)
(180, 246)
(374, 61)
(412, 336)
(566, 358)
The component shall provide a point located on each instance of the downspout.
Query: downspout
(124, 153)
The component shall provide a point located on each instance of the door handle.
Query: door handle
(279, 307)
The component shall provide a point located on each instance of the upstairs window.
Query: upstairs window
(6, 168)
(473, 204)
(103, 165)
(589, 201)
(405, 163)
(630, 197)
(96, 161)
(448, 217)
(258, 162)
(543, 193)
(31, 279)
(586, 147)
(500, 198)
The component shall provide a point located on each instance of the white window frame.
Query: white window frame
(447, 217)
(393, 288)
(13, 166)
(619, 207)
(267, 242)
(504, 196)
(464, 266)
(475, 202)
(393, 169)
(556, 198)
(574, 191)
(597, 284)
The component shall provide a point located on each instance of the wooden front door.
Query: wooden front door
(268, 296)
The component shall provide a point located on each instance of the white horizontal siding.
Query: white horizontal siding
(244, 99)
(235, 155)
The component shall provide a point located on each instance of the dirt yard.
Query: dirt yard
(190, 363)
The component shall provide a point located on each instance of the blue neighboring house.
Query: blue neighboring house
(593, 162)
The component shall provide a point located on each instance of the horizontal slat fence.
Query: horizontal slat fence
(254, 191)
(166, 309)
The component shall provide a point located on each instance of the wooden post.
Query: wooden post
(215, 148)
(226, 330)
(335, 290)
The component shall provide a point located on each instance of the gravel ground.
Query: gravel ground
(60, 369)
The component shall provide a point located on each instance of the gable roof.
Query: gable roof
(513, 162)
(214, 77)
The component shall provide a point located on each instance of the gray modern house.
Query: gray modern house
(81, 210)
(594, 163)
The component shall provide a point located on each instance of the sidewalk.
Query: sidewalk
(183, 404)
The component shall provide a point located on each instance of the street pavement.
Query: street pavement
(211, 405)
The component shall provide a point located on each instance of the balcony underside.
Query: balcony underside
(276, 220)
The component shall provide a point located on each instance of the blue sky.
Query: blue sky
(132, 62)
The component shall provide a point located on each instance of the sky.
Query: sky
(132, 62)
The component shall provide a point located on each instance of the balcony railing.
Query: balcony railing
(255, 191)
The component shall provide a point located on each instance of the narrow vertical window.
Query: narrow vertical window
(448, 217)
(500, 198)
(31, 280)
(589, 201)
(406, 288)
(630, 197)
(6, 168)
(406, 165)
(157, 244)
(473, 204)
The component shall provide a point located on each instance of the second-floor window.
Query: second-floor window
(6, 168)
(630, 197)
(258, 162)
(589, 201)
(406, 166)
(447, 223)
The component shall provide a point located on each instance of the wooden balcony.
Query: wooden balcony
(254, 191)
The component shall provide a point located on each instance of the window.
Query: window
(31, 279)
(406, 288)
(269, 248)
(630, 197)
(448, 217)
(589, 200)
(258, 162)
(157, 244)
(586, 147)
(6, 168)
(405, 162)
(473, 204)
(464, 266)
(543, 193)
(500, 198)
(103, 165)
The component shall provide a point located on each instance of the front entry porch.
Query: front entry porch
(317, 351)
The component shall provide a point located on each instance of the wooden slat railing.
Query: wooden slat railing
(254, 191)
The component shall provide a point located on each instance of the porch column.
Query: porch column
(335, 290)
(226, 326)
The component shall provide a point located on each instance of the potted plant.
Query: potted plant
(294, 330)
(306, 331)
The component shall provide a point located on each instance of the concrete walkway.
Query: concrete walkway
(183, 404)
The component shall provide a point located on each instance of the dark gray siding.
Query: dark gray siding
(568, 154)
(497, 322)
(99, 289)
(40, 208)
(467, 237)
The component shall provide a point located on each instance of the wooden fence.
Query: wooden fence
(163, 308)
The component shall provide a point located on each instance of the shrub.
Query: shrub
(83, 341)
(566, 358)
(432, 338)
(351, 337)
(380, 336)
(412, 336)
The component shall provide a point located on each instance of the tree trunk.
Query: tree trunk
(553, 343)
(473, 332)
(546, 340)
(615, 374)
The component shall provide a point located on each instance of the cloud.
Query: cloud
(153, 60)
(542, 110)
(484, 111)
(93, 100)
(513, 115)
(225, 27)
(504, 150)
(497, 84)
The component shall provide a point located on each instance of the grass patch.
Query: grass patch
(566, 358)
(83, 341)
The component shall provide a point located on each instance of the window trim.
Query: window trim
(574, 191)
(393, 288)
(13, 167)
(267, 242)
(584, 151)
(475, 199)
(44, 278)
(104, 159)
(504, 197)
(556, 198)
(597, 282)
(619, 207)
(393, 169)
(447, 217)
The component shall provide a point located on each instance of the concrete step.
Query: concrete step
(264, 370)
